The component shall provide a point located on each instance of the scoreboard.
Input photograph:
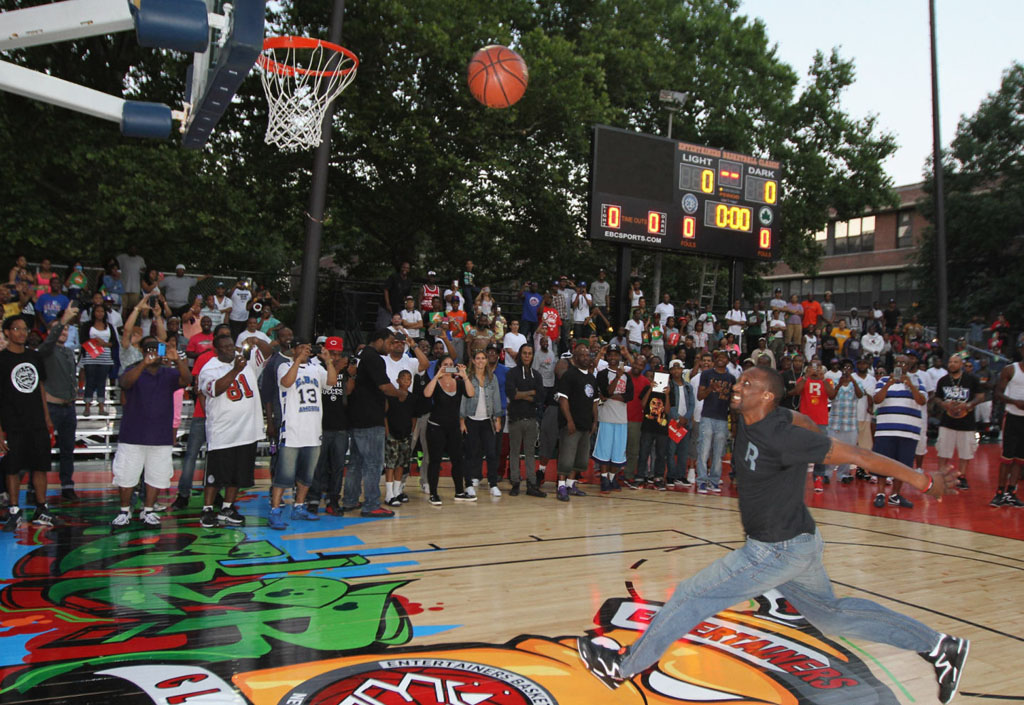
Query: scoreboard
(654, 192)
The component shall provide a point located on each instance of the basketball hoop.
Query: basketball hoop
(301, 76)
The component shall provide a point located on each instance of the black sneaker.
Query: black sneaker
(898, 500)
(313, 508)
(14, 520)
(534, 491)
(602, 661)
(948, 658)
(1010, 500)
(208, 519)
(403, 497)
(393, 502)
(999, 500)
(435, 500)
(181, 502)
(961, 483)
(230, 516)
(861, 474)
(69, 494)
(42, 517)
(879, 500)
(846, 480)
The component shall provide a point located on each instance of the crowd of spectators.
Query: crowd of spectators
(554, 378)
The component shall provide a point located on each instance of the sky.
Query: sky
(888, 41)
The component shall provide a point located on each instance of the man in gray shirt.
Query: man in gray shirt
(176, 289)
(600, 290)
(544, 361)
(61, 392)
(132, 266)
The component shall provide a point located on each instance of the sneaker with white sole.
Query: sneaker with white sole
(150, 518)
(948, 658)
(495, 491)
(470, 492)
(122, 519)
(231, 516)
(603, 661)
(208, 519)
(465, 496)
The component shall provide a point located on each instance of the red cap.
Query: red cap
(334, 343)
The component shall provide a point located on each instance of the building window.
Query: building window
(841, 231)
(867, 233)
(905, 231)
(854, 235)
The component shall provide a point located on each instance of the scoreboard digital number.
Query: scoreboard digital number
(650, 191)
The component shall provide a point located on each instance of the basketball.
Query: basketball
(497, 76)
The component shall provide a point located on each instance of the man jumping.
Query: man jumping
(783, 548)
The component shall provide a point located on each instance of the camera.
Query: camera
(161, 349)
(451, 370)
(315, 349)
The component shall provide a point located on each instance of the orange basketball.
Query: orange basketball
(497, 76)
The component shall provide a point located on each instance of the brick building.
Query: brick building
(866, 258)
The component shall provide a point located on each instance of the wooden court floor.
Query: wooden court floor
(480, 603)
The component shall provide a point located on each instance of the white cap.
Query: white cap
(675, 363)
(179, 266)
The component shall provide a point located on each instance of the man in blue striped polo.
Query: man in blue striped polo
(899, 403)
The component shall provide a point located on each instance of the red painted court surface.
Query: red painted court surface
(482, 602)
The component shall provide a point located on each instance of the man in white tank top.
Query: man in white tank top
(1010, 389)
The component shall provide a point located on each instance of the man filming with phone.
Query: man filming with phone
(899, 400)
(146, 439)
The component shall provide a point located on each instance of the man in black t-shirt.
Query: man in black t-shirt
(330, 466)
(25, 425)
(789, 378)
(577, 401)
(366, 426)
(957, 393)
(783, 548)
(396, 288)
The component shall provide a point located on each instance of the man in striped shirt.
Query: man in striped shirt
(899, 400)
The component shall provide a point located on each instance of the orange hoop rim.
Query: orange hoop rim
(292, 42)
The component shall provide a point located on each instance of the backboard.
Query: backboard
(217, 73)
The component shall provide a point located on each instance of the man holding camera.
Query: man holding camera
(899, 400)
(229, 384)
(240, 296)
(146, 439)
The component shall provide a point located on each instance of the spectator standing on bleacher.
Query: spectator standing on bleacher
(146, 439)
(176, 289)
(98, 337)
(132, 266)
(25, 423)
(241, 301)
(61, 392)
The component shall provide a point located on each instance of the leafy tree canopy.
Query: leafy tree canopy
(983, 177)
(419, 170)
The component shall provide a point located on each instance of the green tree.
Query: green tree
(983, 176)
(420, 171)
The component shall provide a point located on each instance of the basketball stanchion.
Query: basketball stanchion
(301, 76)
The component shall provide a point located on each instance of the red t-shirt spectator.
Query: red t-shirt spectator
(635, 406)
(814, 401)
(199, 343)
(550, 318)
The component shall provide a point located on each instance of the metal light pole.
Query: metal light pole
(316, 207)
(675, 101)
(942, 284)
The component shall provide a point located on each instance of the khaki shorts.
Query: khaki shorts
(131, 458)
(965, 443)
(864, 439)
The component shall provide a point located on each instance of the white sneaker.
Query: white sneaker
(476, 483)
(425, 489)
(471, 491)
(495, 492)
(159, 507)
(691, 475)
(150, 518)
(122, 519)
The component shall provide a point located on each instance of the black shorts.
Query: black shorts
(1013, 438)
(27, 450)
(231, 467)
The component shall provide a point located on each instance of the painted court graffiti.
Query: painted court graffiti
(193, 616)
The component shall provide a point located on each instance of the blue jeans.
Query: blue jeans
(295, 465)
(196, 441)
(65, 421)
(848, 437)
(330, 468)
(794, 568)
(96, 382)
(367, 446)
(713, 435)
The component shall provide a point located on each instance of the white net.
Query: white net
(301, 77)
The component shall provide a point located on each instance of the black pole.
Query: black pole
(624, 267)
(735, 281)
(942, 284)
(316, 207)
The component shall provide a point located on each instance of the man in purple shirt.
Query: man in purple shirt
(147, 431)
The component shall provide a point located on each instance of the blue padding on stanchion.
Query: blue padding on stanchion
(147, 120)
(182, 25)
